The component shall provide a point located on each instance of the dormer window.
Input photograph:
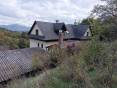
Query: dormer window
(37, 32)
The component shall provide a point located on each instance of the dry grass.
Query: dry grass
(40, 60)
(74, 70)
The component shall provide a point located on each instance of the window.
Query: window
(37, 32)
(87, 33)
(38, 44)
(46, 48)
(41, 45)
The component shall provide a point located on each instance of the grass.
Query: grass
(55, 82)
(92, 74)
(50, 79)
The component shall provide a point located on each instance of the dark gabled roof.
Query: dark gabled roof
(59, 26)
(16, 62)
(79, 30)
(48, 29)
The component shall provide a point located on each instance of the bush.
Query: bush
(13, 40)
(100, 57)
(57, 56)
(40, 61)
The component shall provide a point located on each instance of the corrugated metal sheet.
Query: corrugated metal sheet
(16, 62)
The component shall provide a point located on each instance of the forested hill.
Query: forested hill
(16, 27)
(12, 40)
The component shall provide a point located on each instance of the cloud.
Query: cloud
(26, 11)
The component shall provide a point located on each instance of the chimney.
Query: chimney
(75, 22)
(61, 39)
(57, 21)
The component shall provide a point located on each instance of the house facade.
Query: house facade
(47, 35)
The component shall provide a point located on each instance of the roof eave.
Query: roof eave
(52, 40)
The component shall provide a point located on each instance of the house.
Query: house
(14, 63)
(47, 34)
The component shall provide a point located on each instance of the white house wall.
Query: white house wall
(34, 31)
(34, 43)
(88, 31)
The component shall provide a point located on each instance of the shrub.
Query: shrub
(40, 60)
(57, 56)
(101, 57)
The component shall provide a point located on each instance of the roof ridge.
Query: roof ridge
(50, 22)
(45, 22)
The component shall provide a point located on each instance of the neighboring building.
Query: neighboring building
(47, 35)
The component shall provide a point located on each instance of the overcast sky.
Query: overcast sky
(27, 11)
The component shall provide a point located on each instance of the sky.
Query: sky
(25, 12)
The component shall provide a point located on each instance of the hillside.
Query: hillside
(16, 27)
(12, 40)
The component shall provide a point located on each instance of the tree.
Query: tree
(95, 25)
(23, 41)
(85, 21)
(106, 12)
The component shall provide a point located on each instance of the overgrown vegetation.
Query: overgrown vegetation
(13, 40)
(90, 65)
(93, 67)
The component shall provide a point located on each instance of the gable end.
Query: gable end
(32, 27)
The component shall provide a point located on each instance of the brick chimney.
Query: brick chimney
(61, 39)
